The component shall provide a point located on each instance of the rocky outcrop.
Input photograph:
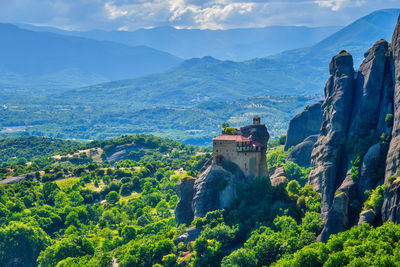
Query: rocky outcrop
(391, 205)
(327, 156)
(301, 153)
(304, 124)
(367, 216)
(190, 235)
(237, 159)
(393, 158)
(372, 169)
(349, 156)
(216, 188)
(278, 177)
(183, 210)
(337, 218)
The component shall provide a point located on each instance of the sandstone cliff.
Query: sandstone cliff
(351, 142)
(351, 152)
(304, 124)
(214, 188)
(301, 153)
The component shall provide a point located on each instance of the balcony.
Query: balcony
(248, 148)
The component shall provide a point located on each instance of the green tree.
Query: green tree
(293, 188)
(21, 243)
(128, 233)
(112, 197)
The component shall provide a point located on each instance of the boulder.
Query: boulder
(304, 124)
(190, 235)
(301, 153)
(278, 177)
(367, 216)
(183, 210)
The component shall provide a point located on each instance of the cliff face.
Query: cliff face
(214, 188)
(183, 210)
(356, 148)
(393, 159)
(301, 153)
(304, 124)
(351, 152)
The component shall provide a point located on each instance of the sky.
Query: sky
(200, 14)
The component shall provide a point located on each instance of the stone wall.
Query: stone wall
(251, 163)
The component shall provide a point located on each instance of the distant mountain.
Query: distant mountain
(356, 38)
(301, 71)
(198, 80)
(232, 44)
(40, 59)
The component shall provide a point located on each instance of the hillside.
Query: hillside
(194, 125)
(47, 60)
(230, 44)
(74, 211)
(32, 147)
(302, 71)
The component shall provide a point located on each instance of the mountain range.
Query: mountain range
(295, 72)
(229, 44)
(205, 90)
(42, 59)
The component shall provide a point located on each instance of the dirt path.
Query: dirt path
(14, 179)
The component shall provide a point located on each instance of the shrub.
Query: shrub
(293, 188)
(355, 169)
(230, 130)
(391, 179)
(389, 120)
(112, 197)
(375, 200)
(282, 140)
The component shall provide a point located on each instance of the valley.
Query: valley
(115, 153)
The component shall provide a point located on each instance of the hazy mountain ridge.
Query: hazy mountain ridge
(41, 59)
(296, 72)
(230, 44)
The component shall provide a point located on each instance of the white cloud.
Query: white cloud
(211, 14)
(115, 12)
(336, 5)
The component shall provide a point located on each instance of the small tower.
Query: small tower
(256, 121)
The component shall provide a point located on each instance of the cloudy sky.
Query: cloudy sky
(203, 14)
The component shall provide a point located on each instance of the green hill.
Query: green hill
(295, 72)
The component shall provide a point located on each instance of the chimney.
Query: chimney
(256, 121)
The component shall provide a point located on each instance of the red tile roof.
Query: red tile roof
(227, 137)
